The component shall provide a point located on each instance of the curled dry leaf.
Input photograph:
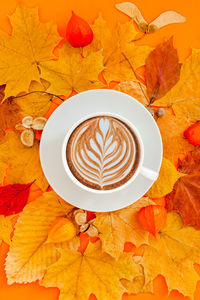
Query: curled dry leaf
(166, 18)
(39, 123)
(27, 121)
(27, 137)
(172, 254)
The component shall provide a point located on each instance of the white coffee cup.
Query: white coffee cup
(141, 168)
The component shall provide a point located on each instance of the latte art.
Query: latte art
(103, 153)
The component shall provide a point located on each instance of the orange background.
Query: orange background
(186, 36)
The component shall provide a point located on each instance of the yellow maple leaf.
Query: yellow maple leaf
(184, 96)
(3, 167)
(36, 104)
(117, 227)
(92, 272)
(72, 72)
(31, 42)
(29, 255)
(167, 177)
(114, 43)
(174, 251)
(24, 162)
(172, 129)
(135, 89)
(5, 229)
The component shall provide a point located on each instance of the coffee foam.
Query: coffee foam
(103, 153)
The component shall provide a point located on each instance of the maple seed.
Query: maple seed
(27, 137)
(39, 123)
(27, 122)
(160, 112)
(81, 218)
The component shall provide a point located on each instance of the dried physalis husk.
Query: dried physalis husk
(27, 122)
(132, 11)
(61, 230)
(81, 218)
(39, 123)
(166, 18)
(92, 231)
(27, 137)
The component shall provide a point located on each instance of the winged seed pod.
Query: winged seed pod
(27, 137)
(39, 123)
(166, 18)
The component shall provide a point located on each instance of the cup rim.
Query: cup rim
(75, 180)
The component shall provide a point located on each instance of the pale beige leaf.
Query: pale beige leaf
(78, 275)
(5, 229)
(134, 89)
(29, 256)
(174, 252)
(166, 18)
(132, 11)
(117, 227)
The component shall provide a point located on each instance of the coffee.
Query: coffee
(103, 153)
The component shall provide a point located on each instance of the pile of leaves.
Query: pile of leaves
(79, 252)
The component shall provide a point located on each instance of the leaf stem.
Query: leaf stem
(43, 92)
(142, 90)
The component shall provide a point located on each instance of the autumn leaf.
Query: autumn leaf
(168, 175)
(192, 134)
(184, 96)
(24, 162)
(172, 129)
(174, 251)
(92, 271)
(185, 197)
(29, 255)
(35, 104)
(120, 226)
(162, 70)
(135, 89)
(13, 198)
(5, 229)
(72, 72)
(114, 43)
(31, 43)
(191, 163)
(3, 167)
(9, 115)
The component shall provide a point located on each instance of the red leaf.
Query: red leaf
(79, 32)
(192, 134)
(191, 163)
(185, 198)
(152, 218)
(162, 70)
(13, 198)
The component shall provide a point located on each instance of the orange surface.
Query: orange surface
(186, 36)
